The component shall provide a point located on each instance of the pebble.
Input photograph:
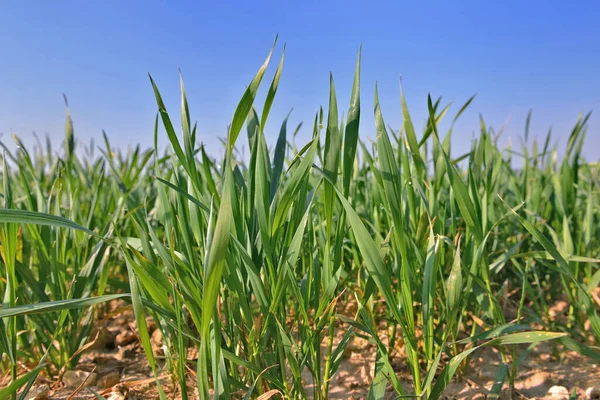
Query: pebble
(593, 393)
(75, 378)
(156, 338)
(115, 396)
(124, 338)
(38, 393)
(558, 392)
(104, 340)
(157, 342)
(109, 380)
(125, 352)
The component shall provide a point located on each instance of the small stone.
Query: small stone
(115, 396)
(125, 352)
(192, 353)
(109, 380)
(103, 339)
(124, 338)
(156, 338)
(592, 393)
(76, 378)
(558, 392)
(38, 393)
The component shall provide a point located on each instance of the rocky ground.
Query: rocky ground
(115, 367)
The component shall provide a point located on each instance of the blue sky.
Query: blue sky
(515, 55)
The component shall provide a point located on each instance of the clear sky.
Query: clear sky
(515, 55)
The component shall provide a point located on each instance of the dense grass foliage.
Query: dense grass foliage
(248, 262)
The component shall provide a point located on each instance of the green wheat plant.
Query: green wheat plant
(278, 242)
(259, 272)
(43, 262)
